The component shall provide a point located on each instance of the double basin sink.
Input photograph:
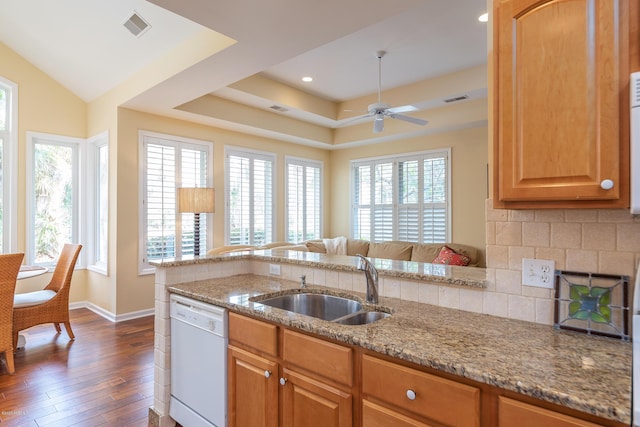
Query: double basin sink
(333, 308)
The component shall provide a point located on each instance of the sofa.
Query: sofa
(439, 253)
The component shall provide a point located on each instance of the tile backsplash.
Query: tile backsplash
(588, 240)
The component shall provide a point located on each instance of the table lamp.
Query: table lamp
(196, 200)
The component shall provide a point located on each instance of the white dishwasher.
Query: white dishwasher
(198, 363)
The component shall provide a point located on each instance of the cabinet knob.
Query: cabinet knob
(267, 374)
(283, 381)
(411, 395)
(606, 184)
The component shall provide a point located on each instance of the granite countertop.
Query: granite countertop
(436, 273)
(587, 373)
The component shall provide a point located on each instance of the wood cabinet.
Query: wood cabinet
(282, 377)
(515, 413)
(561, 104)
(427, 397)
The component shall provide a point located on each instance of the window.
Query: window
(98, 210)
(53, 202)
(170, 162)
(249, 197)
(303, 180)
(8, 162)
(402, 198)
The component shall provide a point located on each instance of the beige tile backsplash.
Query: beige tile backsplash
(589, 240)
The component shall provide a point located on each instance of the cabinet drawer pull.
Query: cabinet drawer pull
(411, 395)
(606, 184)
(283, 381)
(267, 374)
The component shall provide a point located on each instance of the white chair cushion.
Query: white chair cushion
(32, 298)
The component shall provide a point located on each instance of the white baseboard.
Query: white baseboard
(109, 315)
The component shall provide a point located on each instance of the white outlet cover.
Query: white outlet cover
(538, 272)
(274, 269)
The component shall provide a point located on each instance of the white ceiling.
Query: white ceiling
(83, 45)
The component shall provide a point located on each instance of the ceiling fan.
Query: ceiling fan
(379, 110)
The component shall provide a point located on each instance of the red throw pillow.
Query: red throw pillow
(450, 257)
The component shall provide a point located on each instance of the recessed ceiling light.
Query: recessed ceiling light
(307, 79)
(484, 17)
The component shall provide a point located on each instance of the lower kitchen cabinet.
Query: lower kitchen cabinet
(299, 381)
(310, 403)
(515, 413)
(253, 389)
(427, 397)
(379, 416)
(280, 377)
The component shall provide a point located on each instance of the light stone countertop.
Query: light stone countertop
(587, 373)
(435, 273)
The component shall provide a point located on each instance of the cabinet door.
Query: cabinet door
(310, 403)
(253, 390)
(561, 72)
(515, 413)
(378, 416)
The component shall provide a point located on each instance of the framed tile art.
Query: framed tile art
(596, 304)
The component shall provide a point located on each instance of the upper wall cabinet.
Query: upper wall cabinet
(561, 112)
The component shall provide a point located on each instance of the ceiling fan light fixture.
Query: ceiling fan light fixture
(378, 123)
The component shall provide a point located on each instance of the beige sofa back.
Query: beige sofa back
(402, 251)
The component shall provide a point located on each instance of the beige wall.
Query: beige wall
(135, 292)
(43, 106)
(468, 180)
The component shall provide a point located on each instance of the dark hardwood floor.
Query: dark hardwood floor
(103, 378)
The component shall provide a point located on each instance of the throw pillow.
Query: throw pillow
(450, 257)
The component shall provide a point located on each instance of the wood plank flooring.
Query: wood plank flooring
(103, 378)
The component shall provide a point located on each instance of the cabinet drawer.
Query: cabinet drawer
(253, 333)
(515, 413)
(378, 416)
(436, 398)
(330, 360)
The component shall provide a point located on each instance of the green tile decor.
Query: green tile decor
(596, 304)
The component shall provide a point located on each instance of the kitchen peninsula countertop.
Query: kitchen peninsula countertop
(587, 373)
(436, 273)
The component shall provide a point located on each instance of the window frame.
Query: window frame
(10, 170)
(78, 228)
(144, 268)
(252, 154)
(305, 163)
(395, 160)
(95, 144)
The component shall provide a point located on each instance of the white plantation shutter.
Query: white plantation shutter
(249, 192)
(303, 192)
(160, 201)
(407, 199)
(170, 163)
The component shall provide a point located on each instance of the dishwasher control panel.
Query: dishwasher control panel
(201, 315)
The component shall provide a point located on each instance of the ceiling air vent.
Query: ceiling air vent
(456, 98)
(136, 24)
(278, 108)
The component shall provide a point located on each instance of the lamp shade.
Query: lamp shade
(196, 200)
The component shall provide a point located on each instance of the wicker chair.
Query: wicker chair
(9, 267)
(50, 305)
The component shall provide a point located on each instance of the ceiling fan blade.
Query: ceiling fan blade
(413, 120)
(348, 122)
(402, 109)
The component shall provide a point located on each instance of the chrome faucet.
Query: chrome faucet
(372, 278)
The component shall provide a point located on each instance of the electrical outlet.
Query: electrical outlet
(274, 269)
(538, 272)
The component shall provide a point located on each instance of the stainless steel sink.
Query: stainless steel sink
(326, 307)
(363, 317)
